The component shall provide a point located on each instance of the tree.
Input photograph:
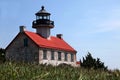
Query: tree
(90, 62)
(2, 55)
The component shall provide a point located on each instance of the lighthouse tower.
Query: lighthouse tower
(43, 24)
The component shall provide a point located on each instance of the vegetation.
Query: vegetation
(13, 71)
(90, 62)
(2, 55)
(92, 69)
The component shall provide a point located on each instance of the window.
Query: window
(59, 55)
(52, 55)
(25, 42)
(37, 17)
(44, 54)
(40, 17)
(66, 56)
(72, 57)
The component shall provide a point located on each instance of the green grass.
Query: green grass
(12, 71)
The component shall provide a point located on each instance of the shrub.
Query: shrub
(2, 55)
(90, 62)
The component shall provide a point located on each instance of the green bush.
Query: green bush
(90, 62)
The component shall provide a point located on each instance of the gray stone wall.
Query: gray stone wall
(56, 62)
(19, 53)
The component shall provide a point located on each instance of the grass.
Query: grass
(13, 71)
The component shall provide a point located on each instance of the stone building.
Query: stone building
(40, 47)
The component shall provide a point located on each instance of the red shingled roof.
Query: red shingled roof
(78, 62)
(52, 42)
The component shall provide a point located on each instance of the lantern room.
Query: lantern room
(43, 19)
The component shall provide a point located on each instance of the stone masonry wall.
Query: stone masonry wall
(19, 53)
(56, 62)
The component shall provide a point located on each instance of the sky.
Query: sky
(87, 25)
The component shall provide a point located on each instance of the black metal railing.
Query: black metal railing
(43, 22)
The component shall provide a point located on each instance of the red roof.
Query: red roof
(78, 62)
(52, 42)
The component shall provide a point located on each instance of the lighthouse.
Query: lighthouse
(43, 24)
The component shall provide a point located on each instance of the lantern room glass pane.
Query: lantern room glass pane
(37, 17)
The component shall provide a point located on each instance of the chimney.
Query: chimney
(59, 36)
(22, 28)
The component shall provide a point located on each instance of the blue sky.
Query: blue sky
(87, 25)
